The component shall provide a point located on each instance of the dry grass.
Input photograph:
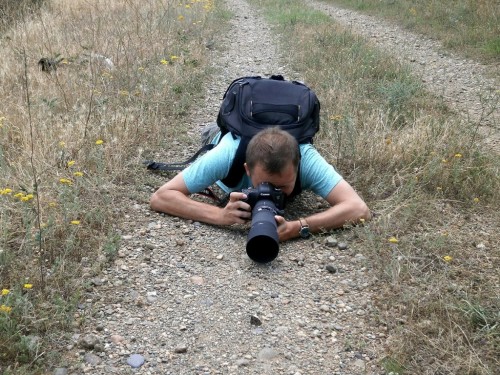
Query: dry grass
(73, 138)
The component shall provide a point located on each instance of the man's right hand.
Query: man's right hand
(236, 211)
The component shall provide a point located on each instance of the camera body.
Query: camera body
(263, 239)
(266, 191)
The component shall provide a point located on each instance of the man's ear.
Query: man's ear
(247, 170)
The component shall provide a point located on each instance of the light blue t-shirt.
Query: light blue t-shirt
(315, 173)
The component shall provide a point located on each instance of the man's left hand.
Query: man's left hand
(286, 229)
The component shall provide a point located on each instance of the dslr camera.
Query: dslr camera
(263, 240)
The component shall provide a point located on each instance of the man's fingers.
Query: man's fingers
(237, 196)
(280, 220)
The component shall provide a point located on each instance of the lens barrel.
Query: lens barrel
(263, 239)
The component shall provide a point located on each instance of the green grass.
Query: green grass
(468, 27)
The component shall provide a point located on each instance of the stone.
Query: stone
(88, 341)
(342, 245)
(181, 349)
(242, 362)
(91, 359)
(197, 280)
(116, 339)
(135, 360)
(331, 268)
(267, 354)
(255, 321)
(331, 241)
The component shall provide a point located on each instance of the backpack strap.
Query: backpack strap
(155, 166)
(237, 169)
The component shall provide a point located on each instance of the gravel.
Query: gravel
(183, 297)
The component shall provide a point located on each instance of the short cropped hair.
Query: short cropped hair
(273, 149)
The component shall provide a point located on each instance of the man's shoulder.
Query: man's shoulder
(309, 153)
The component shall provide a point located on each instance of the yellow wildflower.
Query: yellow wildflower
(444, 161)
(164, 62)
(65, 181)
(62, 144)
(5, 292)
(393, 240)
(28, 286)
(458, 155)
(5, 191)
(78, 174)
(71, 163)
(75, 222)
(19, 195)
(99, 142)
(173, 57)
(6, 309)
(476, 200)
(52, 204)
(447, 258)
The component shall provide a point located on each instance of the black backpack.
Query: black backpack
(251, 104)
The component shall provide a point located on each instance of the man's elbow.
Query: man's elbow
(155, 202)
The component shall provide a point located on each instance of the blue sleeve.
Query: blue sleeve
(316, 173)
(212, 166)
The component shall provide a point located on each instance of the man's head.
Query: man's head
(273, 156)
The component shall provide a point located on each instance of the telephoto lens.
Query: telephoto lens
(263, 239)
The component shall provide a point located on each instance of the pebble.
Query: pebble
(267, 354)
(255, 321)
(91, 359)
(88, 342)
(331, 268)
(197, 280)
(342, 245)
(242, 362)
(60, 371)
(135, 360)
(331, 241)
(116, 339)
(181, 349)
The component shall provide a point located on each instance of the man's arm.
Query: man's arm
(346, 207)
(173, 199)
